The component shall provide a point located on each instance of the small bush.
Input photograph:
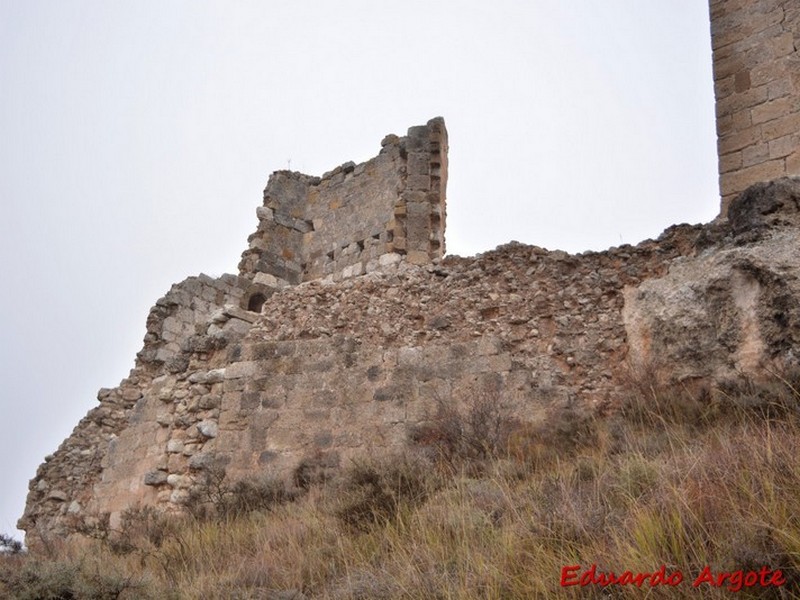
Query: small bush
(251, 495)
(146, 525)
(214, 497)
(62, 580)
(315, 470)
(563, 432)
(468, 437)
(9, 545)
(373, 493)
(775, 398)
(654, 401)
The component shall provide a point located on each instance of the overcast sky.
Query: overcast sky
(136, 139)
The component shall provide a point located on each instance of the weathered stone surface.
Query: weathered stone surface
(721, 314)
(155, 478)
(57, 495)
(763, 206)
(207, 428)
(175, 446)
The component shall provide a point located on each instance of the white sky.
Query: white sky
(136, 139)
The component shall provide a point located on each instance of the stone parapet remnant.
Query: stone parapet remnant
(356, 218)
(756, 53)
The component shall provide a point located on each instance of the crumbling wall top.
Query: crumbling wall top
(355, 218)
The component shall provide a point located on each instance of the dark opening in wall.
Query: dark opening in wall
(256, 302)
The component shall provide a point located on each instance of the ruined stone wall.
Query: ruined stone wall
(756, 51)
(357, 218)
(335, 371)
(96, 469)
(263, 375)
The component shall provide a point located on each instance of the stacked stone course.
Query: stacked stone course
(756, 51)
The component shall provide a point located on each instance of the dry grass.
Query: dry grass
(675, 479)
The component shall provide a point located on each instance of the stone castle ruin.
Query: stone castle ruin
(346, 324)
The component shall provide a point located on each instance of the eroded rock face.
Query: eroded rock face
(334, 370)
(765, 206)
(727, 311)
(733, 307)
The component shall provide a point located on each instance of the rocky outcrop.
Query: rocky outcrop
(263, 375)
(732, 308)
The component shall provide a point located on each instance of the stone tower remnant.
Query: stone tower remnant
(355, 218)
(756, 53)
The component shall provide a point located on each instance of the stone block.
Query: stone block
(780, 88)
(58, 496)
(155, 478)
(793, 164)
(784, 146)
(388, 259)
(739, 140)
(130, 394)
(764, 74)
(418, 257)
(174, 447)
(782, 126)
(179, 481)
(207, 428)
(235, 312)
(730, 162)
(419, 163)
(727, 66)
(201, 461)
(353, 270)
(737, 181)
(416, 182)
(771, 110)
(241, 370)
(491, 364)
(215, 376)
(736, 102)
(283, 220)
(209, 401)
(753, 155)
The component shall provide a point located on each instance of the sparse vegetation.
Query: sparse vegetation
(681, 477)
(217, 498)
(9, 545)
